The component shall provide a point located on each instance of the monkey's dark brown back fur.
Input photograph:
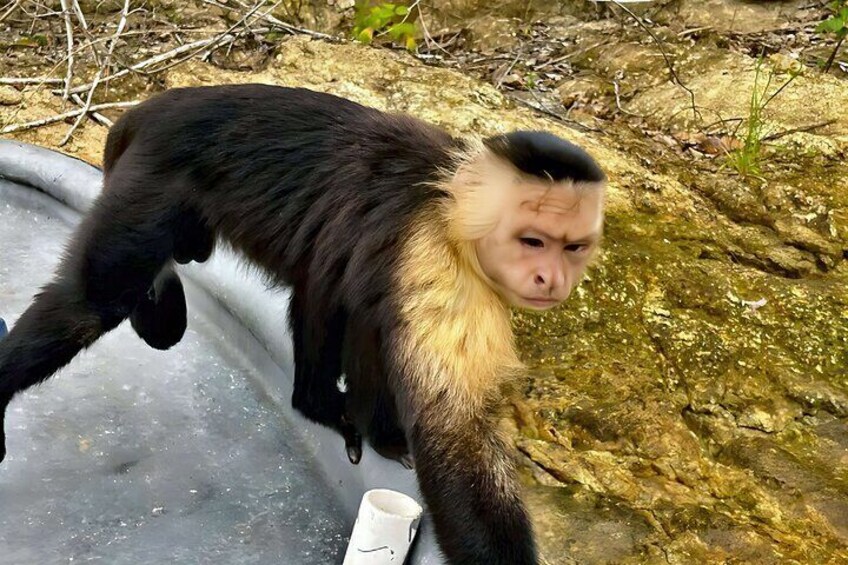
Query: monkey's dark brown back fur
(319, 198)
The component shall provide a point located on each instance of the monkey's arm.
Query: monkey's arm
(467, 477)
(317, 338)
(452, 352)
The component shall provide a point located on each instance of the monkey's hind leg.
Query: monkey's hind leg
(160, 317)
(110, 264)
(194, 240)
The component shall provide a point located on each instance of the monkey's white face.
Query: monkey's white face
(540, 248)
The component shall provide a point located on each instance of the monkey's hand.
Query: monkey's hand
(467, 479)
(352, 438)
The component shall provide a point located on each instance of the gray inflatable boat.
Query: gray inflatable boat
(192, 455)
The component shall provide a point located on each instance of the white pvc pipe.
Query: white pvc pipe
(384, 528)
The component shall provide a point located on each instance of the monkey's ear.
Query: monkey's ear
(546, 156)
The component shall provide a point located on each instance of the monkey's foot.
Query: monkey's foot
(353, 440)
(396, 452)
(160, 316)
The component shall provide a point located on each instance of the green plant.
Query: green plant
(746, 159)
(836, 24)
(375, 20)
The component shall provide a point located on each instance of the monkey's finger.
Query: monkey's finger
(407, 461)
(353, 441)
(354, 453)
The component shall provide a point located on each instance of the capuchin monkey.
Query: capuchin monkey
(404, 248)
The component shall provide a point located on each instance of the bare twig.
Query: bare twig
(96, 116)
(64, 116)
(69, 35)
(428, 39)
(675, 77)
(223, 37)
(139, 67)
(271, 19)
(12, 8)
(121, 25)
(618, 76)
(80, 16)
(52, 80)
(832, 57)
(569, 55)
(690, 31)
(779, 134)
(490, 59)
(247, 28)
(539, 107)
(31, 80)
(84, 25)
(508, 70)
(722, 121)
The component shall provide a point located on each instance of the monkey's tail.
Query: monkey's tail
(44, 339)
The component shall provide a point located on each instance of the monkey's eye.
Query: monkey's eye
(531, 242)
(576, 247)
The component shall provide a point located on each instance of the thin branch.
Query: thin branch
(694, 30)
(69, 35)
(508, 70)
(121, 25)
(675, 77)
(139, 67)
(489, 59)
(569, 55)
(31, 80)
(8, 12)
(96, 116)
(778, 135)
(223, 36)
(64, 116)
(833, 54)
(618, 76)
(722, 121)
(84, 25)
(247, 29)
(539, 107)
(428, 39)
(51, 80)
(271, 19)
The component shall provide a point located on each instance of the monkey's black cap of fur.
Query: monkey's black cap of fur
(546, 156)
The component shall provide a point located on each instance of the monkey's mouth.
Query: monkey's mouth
(540, 303)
